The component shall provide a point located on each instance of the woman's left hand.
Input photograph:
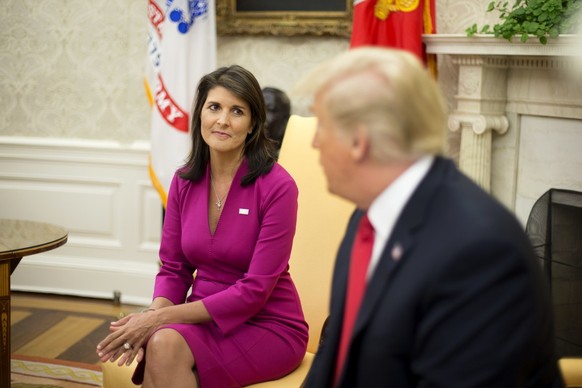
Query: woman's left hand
(127, 338)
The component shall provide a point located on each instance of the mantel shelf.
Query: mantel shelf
(488, 45)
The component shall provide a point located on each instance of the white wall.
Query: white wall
(101, 193)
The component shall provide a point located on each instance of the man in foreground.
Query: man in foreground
(435, 282)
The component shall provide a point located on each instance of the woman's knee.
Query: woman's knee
(168, 346)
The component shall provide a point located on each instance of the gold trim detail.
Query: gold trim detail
(383, 8)
(229, 21)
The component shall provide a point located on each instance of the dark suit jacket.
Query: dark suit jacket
(465, 305)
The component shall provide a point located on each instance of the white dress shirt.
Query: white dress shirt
(386, 208)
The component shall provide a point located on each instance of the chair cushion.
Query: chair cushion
(117, 376)
(120, 376)
(293, 379)
(321, 222)
(571, 372)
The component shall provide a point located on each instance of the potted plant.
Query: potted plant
(538, 18)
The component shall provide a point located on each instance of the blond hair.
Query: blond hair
(388, 92)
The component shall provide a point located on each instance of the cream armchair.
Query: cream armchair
(321, 223)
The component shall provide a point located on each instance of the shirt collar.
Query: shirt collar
(386, 208)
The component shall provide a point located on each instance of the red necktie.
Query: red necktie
(361, 254)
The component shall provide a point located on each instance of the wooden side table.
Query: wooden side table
(18, 239)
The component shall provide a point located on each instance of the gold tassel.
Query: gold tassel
(383, 8)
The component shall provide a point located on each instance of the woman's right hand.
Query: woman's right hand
(127, 338)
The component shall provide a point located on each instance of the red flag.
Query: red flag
(394, 23)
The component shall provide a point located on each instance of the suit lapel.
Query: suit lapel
(402, 241)
(342, 265)
(338, 295)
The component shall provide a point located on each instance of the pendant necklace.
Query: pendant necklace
(218, 202)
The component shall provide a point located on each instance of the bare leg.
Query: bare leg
(169, 361)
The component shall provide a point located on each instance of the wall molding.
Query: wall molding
(100, 191)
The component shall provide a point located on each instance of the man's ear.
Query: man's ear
(360, 143)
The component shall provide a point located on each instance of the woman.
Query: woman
(230, 220)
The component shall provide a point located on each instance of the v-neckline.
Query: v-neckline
(235, 180)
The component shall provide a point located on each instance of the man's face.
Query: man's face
(334, 149)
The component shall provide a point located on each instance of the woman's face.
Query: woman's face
(225, 121)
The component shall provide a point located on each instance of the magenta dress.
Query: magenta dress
(258, 331)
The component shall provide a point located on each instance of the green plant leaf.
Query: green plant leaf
(532, 27)
(471, 30)
(507, 35)
(542, 18)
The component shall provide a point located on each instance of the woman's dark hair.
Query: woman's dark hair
(258, 148)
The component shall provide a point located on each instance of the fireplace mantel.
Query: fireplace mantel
(458, 44)
(498, 83)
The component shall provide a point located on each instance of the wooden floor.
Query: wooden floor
(61, 327)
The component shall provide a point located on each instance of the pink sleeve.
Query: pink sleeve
(175, 277)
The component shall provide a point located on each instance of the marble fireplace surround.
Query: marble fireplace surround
(503, 87)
